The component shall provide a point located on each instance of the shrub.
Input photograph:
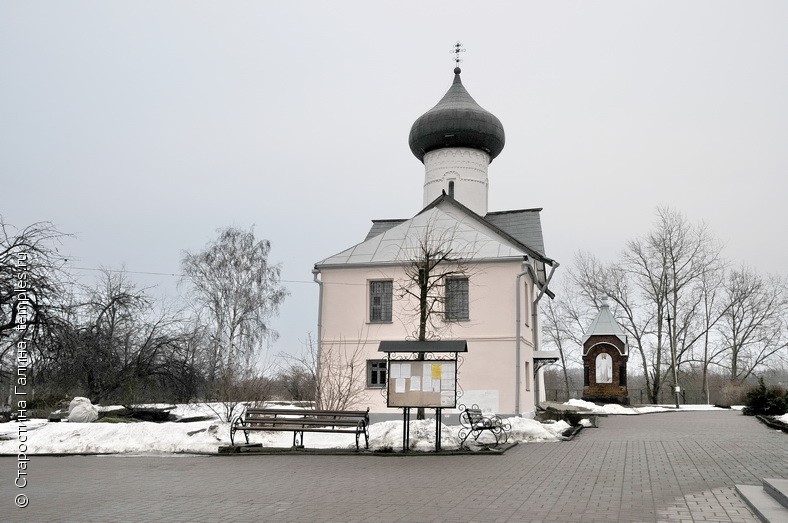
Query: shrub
(760, 400)
(733, 393)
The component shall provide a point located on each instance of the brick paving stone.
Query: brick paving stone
(679, 466)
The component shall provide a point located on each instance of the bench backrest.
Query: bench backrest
(474, 415)
(283, 416)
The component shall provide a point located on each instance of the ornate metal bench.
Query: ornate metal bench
(299, 421)
(474, 423)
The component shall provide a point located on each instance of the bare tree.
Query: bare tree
(658, 276)
(238, 387)
(565, 322)
(711, 312)
(111, 343)
(754, 325)
(438, 260)
(31, 285)
(593, 280)
(236, 291)
(337, 372)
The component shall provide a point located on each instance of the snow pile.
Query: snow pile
(613, 408)
(208, 436)
(524, 430)
(585, 422)
(80, 410)
(76, 438)
(783, 418)
(388, 435)
(610, 408)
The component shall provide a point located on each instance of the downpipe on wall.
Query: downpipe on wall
(315, 274)
(528, 269)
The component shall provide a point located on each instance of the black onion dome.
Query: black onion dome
(457, 121)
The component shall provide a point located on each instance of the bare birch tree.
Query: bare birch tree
(236, 291)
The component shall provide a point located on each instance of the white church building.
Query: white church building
(492, 304)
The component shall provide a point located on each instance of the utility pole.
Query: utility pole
(676, 388)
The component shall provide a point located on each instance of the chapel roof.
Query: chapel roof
(605, 324)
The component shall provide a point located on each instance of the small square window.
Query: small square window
(376, 373)
(456, 306)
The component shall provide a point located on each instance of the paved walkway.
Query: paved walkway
(659, 467)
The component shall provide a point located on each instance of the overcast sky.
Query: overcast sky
(142, 127)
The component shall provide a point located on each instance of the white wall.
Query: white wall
(466, 167)
(487, 372)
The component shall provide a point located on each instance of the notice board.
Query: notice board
(422, 383)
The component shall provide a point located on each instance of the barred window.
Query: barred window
(376, 373)
(380, 300)
(456, 299)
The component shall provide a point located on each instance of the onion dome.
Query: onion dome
(457, 121)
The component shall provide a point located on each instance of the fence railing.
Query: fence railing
(666, 396)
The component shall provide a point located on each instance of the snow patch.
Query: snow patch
(614, 408)
(207, 436)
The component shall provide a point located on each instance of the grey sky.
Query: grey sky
(142, 127)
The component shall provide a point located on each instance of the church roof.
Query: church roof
(457, 121)
(524, 225)
(381, 226)
(605, 325)
(396, 241)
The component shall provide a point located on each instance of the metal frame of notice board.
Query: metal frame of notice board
(422, 374)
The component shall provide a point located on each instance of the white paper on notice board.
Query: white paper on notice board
(399, 385)
(448, 370)
(447, 384)
(447, 399)
(394, 371)
(404, 370)
(415, 384)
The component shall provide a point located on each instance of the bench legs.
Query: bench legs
(298, 437)
(366, 439)
(234, 429)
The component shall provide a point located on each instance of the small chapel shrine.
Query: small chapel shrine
(605, 354)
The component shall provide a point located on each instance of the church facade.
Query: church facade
(490, 278)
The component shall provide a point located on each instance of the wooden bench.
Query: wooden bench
(299, 421)
(474, 423)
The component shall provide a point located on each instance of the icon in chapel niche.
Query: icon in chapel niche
(604, 368)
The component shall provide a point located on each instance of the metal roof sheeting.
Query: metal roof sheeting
(606, 325)
(470, 237)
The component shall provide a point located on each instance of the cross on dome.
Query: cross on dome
(458, 48)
